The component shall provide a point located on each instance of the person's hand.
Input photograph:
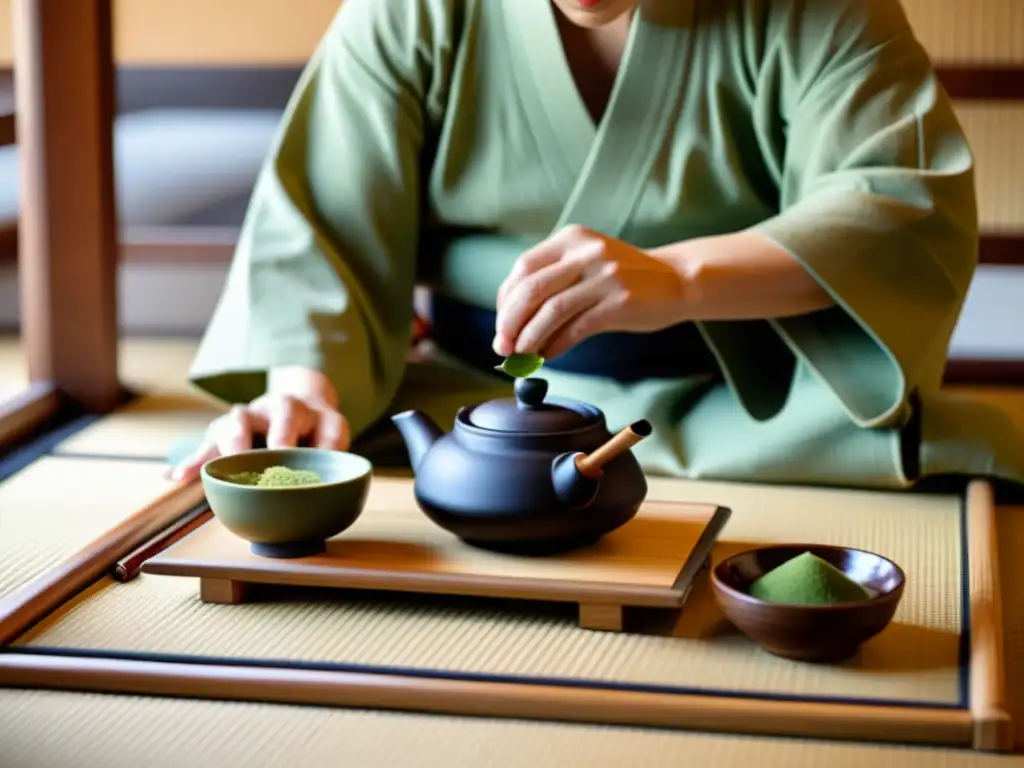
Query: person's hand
(578, 283)
(287, 414)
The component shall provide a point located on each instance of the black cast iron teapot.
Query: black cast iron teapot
(526, 475)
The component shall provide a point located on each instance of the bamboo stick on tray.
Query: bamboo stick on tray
(129, 566)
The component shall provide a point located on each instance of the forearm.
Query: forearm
(742, 276)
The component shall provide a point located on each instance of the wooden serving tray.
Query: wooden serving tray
(650, 562)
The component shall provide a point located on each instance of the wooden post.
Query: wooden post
(64, 91)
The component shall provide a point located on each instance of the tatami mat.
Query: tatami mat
(916, 659)
(147, 427)
(56, 505)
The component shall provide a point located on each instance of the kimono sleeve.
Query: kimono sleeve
(324, 271)
(877, 203)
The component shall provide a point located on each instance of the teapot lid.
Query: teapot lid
(528, 412)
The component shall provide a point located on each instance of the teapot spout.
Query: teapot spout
(577, 476)
(419, 432)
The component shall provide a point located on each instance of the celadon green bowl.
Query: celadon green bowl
(293, 521)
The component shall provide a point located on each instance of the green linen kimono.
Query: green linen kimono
(435, 140)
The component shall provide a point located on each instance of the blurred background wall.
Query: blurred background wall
(201, 84)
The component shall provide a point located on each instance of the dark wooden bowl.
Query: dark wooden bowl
(817, 633)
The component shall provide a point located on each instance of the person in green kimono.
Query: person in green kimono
(752, 222)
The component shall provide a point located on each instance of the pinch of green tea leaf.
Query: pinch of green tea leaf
(521, 366)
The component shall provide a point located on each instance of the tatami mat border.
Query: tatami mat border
(48, 442)
(465, 677)
(444, 694)
(14, 461)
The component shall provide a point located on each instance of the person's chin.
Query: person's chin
(594, 14)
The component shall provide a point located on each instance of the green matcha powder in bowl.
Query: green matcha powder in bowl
(808, 580)
(277, 477)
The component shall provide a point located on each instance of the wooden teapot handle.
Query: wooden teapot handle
(592, 464)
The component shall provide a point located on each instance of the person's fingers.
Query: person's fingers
(556, 313)
(592, 321)
(285, 420)
(528, 296)
(290, 419)
(332, 431)
(233, 431)
(545, 253)
(530, 261)
(188, 469)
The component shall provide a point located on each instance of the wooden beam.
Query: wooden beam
(67, 232)
(205, 245)
(26, 411)
(215, 245)
(999, 372)
(1005, 248)
(201, 245)
(983, 83)
(7, 127)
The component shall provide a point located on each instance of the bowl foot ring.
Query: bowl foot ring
(289, 549)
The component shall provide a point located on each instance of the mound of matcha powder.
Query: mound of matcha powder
(244, 478)
(277, 477)
(807, 580)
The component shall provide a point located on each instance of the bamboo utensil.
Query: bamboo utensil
(129, 566)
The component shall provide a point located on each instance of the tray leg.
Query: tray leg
(610, 618)
(223, 591)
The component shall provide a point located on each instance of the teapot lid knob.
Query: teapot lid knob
(530, 393)
(528, 413)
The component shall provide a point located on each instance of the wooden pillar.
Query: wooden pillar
(64, 90)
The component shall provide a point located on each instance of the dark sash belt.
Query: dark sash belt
(467, 332)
